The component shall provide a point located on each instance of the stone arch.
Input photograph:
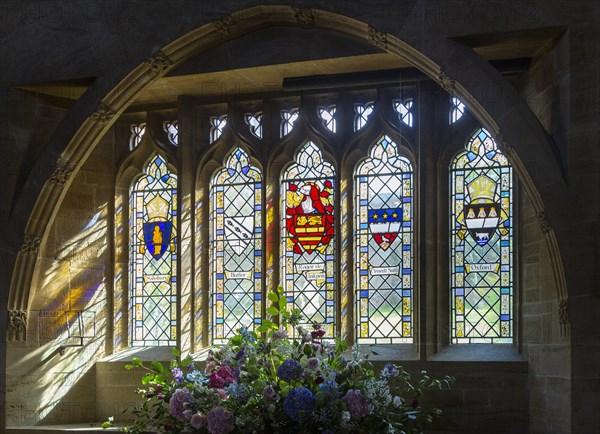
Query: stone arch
(451, 65)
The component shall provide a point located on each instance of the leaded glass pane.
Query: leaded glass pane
(383, 243)
(327, 115)
(153, 255)
(457, 109)
(217, 125)
(254, 122)
(172, 130)
(288, 117)
(236, 252)
(481, 249)
(404, 108)
(137, 132)
(363, 111)
(307, 235)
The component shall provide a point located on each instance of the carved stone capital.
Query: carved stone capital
(61, 175)
(31, 244)
(304, 16)
(503, 145)
(17, 325)
(544, 225)
(159, 63)
(103, 115)
(377, 38)
(226, 25)
(448, 84)
(563, 315)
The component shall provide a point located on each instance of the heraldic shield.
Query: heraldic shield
(309, 218)
(158, 230)
(238, 232)
(483, 214)
(384, 225)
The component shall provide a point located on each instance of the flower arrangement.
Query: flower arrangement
(265, 381)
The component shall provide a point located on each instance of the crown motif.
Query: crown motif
(482, 190)
(158, 209)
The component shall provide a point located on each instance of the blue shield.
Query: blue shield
(157, 236)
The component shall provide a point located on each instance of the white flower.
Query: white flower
(345, 416)
(397, 401)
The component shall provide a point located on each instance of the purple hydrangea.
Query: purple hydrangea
(198, 420)
(177, 375)
(220, 421)
(177, 404)
(289, 370)
(299, 403)
(356, 403)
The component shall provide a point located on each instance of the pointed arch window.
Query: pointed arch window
(236, 246)
(384, 245)
(153, 256)
(481, 243)
(308, 248)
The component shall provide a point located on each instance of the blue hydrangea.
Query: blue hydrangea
(299, 403)
(289, 370)
(330, 387)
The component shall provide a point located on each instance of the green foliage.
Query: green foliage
(251, 377)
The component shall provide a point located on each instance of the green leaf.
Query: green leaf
(148, 378)
(273, 311)
(176, 352)
(273, 297)
(262, 328)
(280, 290)
(136, 362)
(282, 303)
(129, 367)
(157, 367)
(186, 362)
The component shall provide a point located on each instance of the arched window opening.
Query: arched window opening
(236, 246)
(481, 243)
(153, 256)
(384, 246)
(307, 237)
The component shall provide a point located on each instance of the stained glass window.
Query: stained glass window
(308, 250)
(481, 249)
(254, 122)
(236, 246)
(217, 125)
(363, 111)
(404, 108)
(288, 117)
(383, 243)
(172, 130)
(153, 256)
(457, 109)
(137, 132)
(327, 115)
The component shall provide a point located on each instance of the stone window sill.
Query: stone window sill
(478, 353)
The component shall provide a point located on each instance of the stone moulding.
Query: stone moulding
(159, 63)
(17, 325)
(226, 25)
(31, 244)
(103, 115)
(304, 16)
(448, 84)
(60, 175)
(377, 38)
